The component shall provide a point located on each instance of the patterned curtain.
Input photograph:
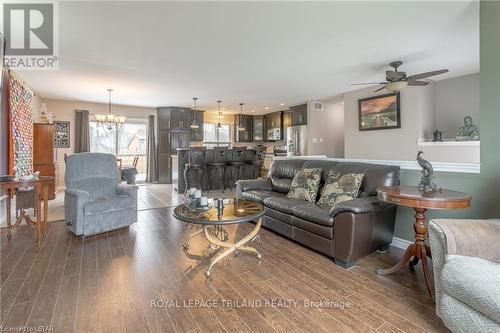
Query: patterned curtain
(21, 131)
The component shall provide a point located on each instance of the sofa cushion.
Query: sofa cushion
(282, 204)
(305, 184)
(259, 195)
(475, 282)
(105, 205)
(340, 187)
(312, 212)
(281, 173)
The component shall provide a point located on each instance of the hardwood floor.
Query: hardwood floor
(139, 280)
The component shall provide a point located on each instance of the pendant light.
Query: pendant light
(219, 115)
(240, 123)
(195, 123)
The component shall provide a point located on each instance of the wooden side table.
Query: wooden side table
(411, 196)
(41, 187)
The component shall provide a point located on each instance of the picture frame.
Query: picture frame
(379, 112)
(61, 134)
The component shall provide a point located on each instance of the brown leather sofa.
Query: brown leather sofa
(346, 232)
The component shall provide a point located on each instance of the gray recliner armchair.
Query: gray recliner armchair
(95, 201)
(466, 261)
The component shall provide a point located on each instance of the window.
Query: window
(217, 136)
(126, 143)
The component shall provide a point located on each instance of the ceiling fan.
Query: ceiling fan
(397, 80)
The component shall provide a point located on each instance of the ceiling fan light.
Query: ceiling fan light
(396, 86)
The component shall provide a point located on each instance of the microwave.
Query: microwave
(274, 134)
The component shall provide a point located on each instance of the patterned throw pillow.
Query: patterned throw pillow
(340, 188)
(305, 184)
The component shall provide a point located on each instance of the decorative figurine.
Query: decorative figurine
(437, 136)
(427, 182)
(468, 132)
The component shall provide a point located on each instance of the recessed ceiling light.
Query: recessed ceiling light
(267, 107)
(253, 111)
(282, 104)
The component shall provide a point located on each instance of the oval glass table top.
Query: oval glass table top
(233, 211)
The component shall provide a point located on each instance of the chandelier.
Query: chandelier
(109, 120)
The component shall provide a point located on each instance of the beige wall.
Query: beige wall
(326, 129)
(455, 99)
(65, 111)
(391, 144)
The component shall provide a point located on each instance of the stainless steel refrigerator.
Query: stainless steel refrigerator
(296, 140)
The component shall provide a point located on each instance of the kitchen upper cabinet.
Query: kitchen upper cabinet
(180, 118)
(273, 120)
(299, 115)
(258, 128)
(287, 119)
(197, 133)
(245, 135)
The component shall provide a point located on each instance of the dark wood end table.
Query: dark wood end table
(411, 196)
(41, 187)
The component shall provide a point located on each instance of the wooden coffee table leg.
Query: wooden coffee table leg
(425, 268)
(9, 217)
(45, 207)
(411, 251)
(417, 250)
(38, 210)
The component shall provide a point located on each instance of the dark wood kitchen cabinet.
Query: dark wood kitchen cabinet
(180, 118)
(299, 115)
(245, 135)
(164, 157)
(179, 139)
(287, 119)
(174, 131)
(258, 128)
(273, 120)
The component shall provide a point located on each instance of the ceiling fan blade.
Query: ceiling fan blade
(427, 74)
(379, 89)
(361, 84)
(417, 83)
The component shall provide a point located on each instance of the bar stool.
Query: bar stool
(257, 162)
(219, 166)
(197, 165)
(236, 164)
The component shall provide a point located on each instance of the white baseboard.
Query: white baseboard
(400, 243)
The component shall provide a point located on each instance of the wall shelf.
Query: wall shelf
(427, 143)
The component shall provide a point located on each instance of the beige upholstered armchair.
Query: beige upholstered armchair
(466, 260)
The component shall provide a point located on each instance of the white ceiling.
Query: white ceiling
(263, 54)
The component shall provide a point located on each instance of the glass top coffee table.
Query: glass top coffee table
(213, 221)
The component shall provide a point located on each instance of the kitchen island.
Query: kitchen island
(182, 158)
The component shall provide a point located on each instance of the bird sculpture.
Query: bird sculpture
(427, 182)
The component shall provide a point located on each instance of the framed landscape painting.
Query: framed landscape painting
(379, 112)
